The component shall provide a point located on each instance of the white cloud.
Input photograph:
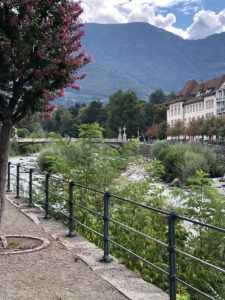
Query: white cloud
(109, 11)
(188, 9)
(102, 11)
(206, 23)
(178, 31)
(146, 13)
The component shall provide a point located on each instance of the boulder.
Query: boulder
(176, 182)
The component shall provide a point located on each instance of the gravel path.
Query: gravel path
(53, 273)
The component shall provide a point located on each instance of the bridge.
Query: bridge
(115, 143)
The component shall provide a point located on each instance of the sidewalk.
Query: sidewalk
(68, 268)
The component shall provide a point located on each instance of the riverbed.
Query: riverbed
(134, 173)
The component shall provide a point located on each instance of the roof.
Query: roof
(195, 92)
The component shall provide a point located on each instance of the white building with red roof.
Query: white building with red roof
(197, 100)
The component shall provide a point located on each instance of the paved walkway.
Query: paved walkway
(68, 268)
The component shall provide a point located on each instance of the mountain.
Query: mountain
(142, 57)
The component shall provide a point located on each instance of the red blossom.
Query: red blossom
(30, 8)
(77, 87)
(38, 37)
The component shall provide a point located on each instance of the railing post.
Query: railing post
(106, 257)
(18, 181)
(47, 176)
(71, 205)
(9, 181)
(172, 255)
(31, 188)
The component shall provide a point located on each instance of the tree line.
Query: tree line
(124, 109)
(201, 127)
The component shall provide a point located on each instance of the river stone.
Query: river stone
(176, 182)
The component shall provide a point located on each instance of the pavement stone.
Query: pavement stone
(112, 281)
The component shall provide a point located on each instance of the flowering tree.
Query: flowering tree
(40, 55)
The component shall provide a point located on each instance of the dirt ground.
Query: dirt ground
(52, 273)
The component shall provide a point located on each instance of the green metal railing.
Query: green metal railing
(107, 196)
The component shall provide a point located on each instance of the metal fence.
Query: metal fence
(172, 217)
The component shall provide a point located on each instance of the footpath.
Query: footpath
(67, 269)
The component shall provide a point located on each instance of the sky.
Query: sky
(190, 19)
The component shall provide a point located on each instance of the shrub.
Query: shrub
(158, 148)
(44, 159)
(192, 162)
(183, 160)
(14, 149)
(26, 149)
(23, 132)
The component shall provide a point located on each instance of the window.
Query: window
(209, 103)
(196, 107)
(175, 110)
(172, 110)
(178, 109)
(193, 107)
(190, 108)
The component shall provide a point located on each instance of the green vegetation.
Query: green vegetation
(205, 204)
(124, 109)
(16, 150)
(201, 127)
(13, 245)
(83, 161)
(182, 160)
(97, 166)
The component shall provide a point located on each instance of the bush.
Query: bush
(27, 149)
(23, 132)
(183, 160)
(14, 149)
(44, 161)
(192, 162)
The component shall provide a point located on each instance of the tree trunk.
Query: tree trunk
(4, 155)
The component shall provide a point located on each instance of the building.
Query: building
(197, 100)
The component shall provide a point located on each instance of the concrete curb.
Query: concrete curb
(45, 244)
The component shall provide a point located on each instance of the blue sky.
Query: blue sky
(190, 19)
